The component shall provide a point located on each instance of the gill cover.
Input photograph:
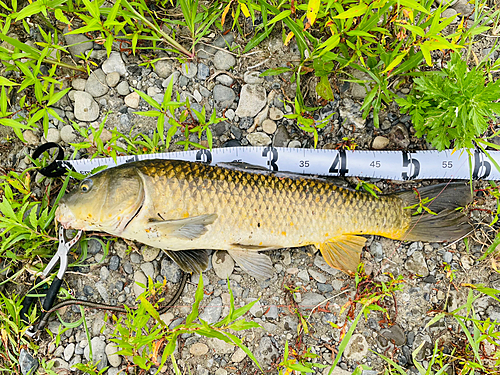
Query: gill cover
(107, 201)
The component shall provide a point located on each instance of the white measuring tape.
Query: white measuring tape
(394, 165)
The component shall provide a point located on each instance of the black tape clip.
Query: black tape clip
(58, 167)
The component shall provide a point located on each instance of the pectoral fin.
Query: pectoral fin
(186, 229)
(257, 265)
(343, 252)
(194, 261)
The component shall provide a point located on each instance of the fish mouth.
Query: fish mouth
(65, 217)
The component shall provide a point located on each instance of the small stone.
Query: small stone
(281, 137)
(311, 300)
(223, 264)
(85, 107)
(30, 137)
(223, 60)
(112, 79)
(230, 114)
(303, 275)
(377, 251)
(132, 100)
(96, 84)
(114, 263)
(223, 96)
(379, 143)
(98, 352)
(123, 88)
(149, 269)
(447, 257)
(252, 100)
(269, 126)
(104, 273)
(259, 139)
(417, 265)
(266, 353)
(220, 347)
(253, 77)
(467, 262)
(69, 350)
(163, 68)
(224, 79)
(171, 271)
(103, 291)
(79, 84)
(238, 356)
(172, 77)
(203, 71)
(67, 134)
(53, 135)
(272, 313)
(114, 359)
(114, 64)
(189, 70)
(320, 262)
(396, 334)
(139, 277)
(357, 348)
(256, 309)
(325, 288)
(212, 311)
(319, 277)
(294, 144)
(78, 43)
(275, 114)
(198, 349)
(149, 253)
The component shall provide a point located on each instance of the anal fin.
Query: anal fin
(195, 261)
(257, 265)
(343, 252)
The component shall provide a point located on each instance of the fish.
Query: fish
(189, 208)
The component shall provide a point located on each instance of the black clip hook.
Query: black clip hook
(58, 167)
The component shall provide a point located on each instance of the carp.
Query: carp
(187, 208)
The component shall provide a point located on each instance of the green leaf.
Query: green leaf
(274, 71)
(324, 89)
(280, 17)
(414, 5)
(255, 41)
(352, 12)
(197, 299)
(61, 17)
(31, 9)
(312, 10)
(153, 103)
(58, 96)
(6, 82)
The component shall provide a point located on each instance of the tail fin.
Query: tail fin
(449, 224)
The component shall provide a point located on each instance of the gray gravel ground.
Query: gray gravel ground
(254, 108)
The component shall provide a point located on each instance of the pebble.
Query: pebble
(198, 349)
(104, 273)
(377, 251)
(417, 265)
(174, 77)
(396, 334)
(69, 350)
(447, 257)
(223, 60)
(149, 253)
(379, 143)
(238, 356)
(259, 139)
(53, 135)
(212, 311)
(256, 309)
(223, 264)
(275, 114)
(136, 258)
(272, 313)
(102, 289)
(78, 43)
(252, 100)
(303, 275)
(189, 70)
(67, 134)
(30, 137)
(149, 269)
(85, 107)
(357, 348)
(318, 276)
(224, 79)
(132, 100)
(170, 270)
(269, 126)
(266, 353)
(203, 71)
(98, 352)
(310, 300)
(163, 68)
(467, 262)
(114, 263)
(281, 137)
(320, 262)
(113, 359)
(112, 79)
(78, 84)
(223, 95)
(220, 347)
(295, 144)
(123, 88)
(114, 64)
(139, 277)
(252, 77)
(96, 84)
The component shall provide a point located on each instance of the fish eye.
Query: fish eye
(86, 185)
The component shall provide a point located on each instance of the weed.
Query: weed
(452, 107)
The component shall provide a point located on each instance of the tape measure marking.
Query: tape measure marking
(394, 165)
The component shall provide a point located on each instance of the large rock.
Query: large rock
(96, 84)
(114, 64)
(252, 100)
(357, 348)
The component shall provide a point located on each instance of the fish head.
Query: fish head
(107, 201)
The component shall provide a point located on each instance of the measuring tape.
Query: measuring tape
(394, 165)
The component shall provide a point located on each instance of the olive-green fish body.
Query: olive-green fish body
(178, 206)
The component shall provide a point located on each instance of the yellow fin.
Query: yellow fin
(343, 252)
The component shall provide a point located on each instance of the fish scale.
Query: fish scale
(182, 207)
